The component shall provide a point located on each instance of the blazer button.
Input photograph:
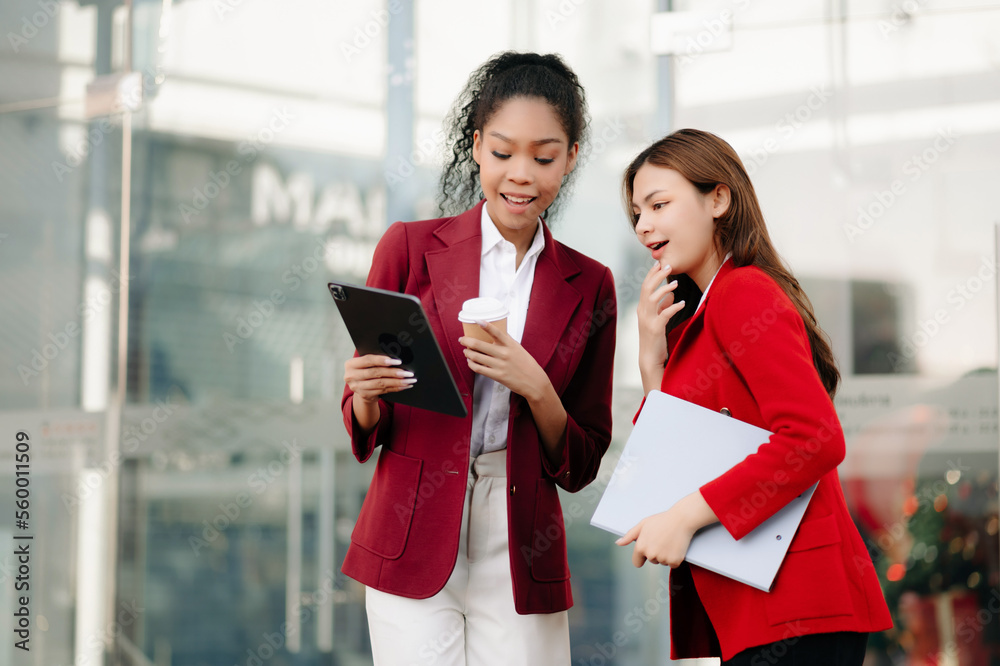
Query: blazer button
(725, 411)
(512, 489)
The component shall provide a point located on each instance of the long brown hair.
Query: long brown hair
(706, 161)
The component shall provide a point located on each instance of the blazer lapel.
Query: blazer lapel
(695, 322)
(454, 278)
(552, 304)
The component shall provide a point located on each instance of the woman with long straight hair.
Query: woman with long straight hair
(729, 304)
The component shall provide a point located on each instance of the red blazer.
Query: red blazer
(406, 538)
(747, 350)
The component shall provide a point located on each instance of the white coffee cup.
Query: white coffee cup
(482, 309)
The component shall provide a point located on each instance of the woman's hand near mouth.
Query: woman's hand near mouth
(656, 307)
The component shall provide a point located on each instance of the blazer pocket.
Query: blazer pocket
(812, 581)
(548, 536)
(384, 522)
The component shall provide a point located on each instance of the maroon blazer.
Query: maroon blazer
(746, 350)
(406, 539)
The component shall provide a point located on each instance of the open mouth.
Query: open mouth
(657, 246)
(518, 201)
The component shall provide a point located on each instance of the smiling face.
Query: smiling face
(677, 222)
(523, 155)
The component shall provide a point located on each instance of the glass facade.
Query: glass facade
(180, 178)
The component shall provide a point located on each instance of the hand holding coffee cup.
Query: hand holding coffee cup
(486, 309)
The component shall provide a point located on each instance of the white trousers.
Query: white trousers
(472, 621)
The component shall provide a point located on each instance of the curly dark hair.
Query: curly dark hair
(505, 76)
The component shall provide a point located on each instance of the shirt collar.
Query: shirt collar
(492, 237)
(729, 256)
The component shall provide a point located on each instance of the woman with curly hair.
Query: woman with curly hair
(460, 542)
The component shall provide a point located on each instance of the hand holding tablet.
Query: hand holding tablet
(386, 323)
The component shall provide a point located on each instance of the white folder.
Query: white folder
(674, 449)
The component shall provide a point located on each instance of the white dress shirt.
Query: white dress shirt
(500, 279)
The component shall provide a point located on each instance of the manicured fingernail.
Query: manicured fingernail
(395, 361)
(481, 323)
(411, 380)
(667, 267)
(673, 283)
(683, 302)
(404, 373)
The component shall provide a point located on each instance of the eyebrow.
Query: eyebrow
(540, 142)
(650, 196)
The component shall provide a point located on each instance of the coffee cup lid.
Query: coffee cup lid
(482, 309)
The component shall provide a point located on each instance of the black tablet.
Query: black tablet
(393, 324)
